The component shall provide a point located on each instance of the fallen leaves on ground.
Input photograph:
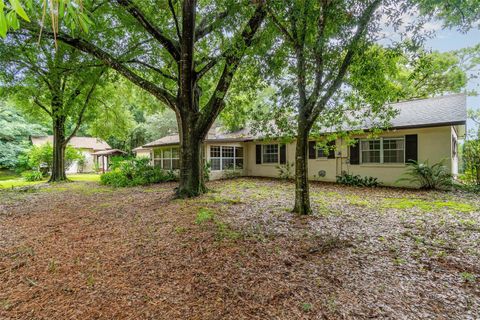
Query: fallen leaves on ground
(83, 251)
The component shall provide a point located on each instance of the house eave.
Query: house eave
(249, 139)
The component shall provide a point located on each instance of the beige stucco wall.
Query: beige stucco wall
(89, 167)
(142, 154)
(434, 144)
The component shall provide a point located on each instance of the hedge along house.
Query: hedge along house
(423, 130)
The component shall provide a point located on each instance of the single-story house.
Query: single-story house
(422, 130)
(89, 146)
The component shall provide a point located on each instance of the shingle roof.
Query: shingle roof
(213, 135)
(438, 111)
(76, 142)
(450, 109)
(109, 152)
(165, 141)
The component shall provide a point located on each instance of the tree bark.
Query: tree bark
(302, 191)
(478, 175)
(59, 145)
(192, 182)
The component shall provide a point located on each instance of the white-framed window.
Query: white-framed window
(270, 153)
(382, 150)
(226, 158)
(167, 158)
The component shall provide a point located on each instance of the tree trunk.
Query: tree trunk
(478, 175)
(302, 193)
(192, 182)
(58, 164)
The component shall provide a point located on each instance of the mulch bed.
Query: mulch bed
(82, 251)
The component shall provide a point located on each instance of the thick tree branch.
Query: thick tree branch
(38, 103)
(210, 64)
(347, 60)
(157, 70)
(187, 71)
(233, 58)
(167, 43)
(84, 107)
(204, 28)
(177, 26)
(281, 27)
(318, 54)
(110, 61)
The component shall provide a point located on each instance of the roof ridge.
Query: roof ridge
(432, 98)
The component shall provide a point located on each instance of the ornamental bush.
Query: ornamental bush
(135, 172)
(436, 176)
(42, 156)
(32, 175)
(357, 181)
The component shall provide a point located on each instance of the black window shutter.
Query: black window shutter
(311, 150)
(283, 154)
(411, 147)
(331, 150)
(355, 153)
(258, 154)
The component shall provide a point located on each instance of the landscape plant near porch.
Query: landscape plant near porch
(427, 177)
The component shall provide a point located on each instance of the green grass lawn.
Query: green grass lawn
(20, 182)
(8, 175)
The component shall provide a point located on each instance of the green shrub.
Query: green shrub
(285, 171)
(471, 161)
(428, 177)
(32, 176)
(81, 163)
(357, 181)
(135, 172)
(42, 156)
(207, 169)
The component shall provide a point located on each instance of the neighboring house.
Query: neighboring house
(141, 152)
(425, 129)
(87, 145)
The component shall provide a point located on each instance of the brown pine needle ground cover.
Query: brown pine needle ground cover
(82, 251)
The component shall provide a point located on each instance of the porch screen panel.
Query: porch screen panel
(215, 157)
(157, 157)
(226, 158)
(167, 159)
